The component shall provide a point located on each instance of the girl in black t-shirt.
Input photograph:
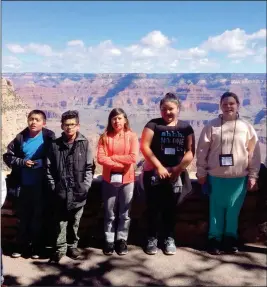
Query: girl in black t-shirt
(168, 146)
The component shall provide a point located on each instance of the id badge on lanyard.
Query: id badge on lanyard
(116, 178)
(227, 159)
(169, 150)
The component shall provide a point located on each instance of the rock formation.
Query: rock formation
(14, 113)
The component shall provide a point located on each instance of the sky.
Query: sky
(134, 36)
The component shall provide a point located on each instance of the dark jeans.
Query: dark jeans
(49, 226)
(30, 209)
(161, 200)
(2, 276)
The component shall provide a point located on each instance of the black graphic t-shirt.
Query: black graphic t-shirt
(169, 142)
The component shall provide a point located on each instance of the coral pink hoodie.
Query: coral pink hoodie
(119, 154)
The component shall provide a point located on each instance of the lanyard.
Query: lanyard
(232, 139)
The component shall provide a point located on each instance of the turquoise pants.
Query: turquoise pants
(226, 199)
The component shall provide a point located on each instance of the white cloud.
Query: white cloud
(39, 49)
(76, 43)
(197, 52)
(147, 52)
(115, 51)
(235, 42)
(174, 63)
(106, 44)
(260, 56)
(11, 63)
(261, 34)
(155, 39)
(242, 54)
(236, 61)
(191, 53)
(228, 41)
(15, 48)
(153, 53)
(205, 62)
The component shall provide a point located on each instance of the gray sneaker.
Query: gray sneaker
(151, 247)
(169, 246)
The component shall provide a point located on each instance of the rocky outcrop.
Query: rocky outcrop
(14, 113)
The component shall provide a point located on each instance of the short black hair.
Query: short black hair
(71, 114)
(230, 94)
(170, 97)
(37, 112)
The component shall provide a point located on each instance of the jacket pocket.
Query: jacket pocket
(80, 192)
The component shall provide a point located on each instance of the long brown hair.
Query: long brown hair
(109, 129)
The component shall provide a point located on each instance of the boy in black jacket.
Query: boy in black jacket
(26, 156)
(70, 170)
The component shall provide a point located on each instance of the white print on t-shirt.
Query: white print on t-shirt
(171, 134)
(174, 138)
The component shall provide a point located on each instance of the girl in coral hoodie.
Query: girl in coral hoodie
(228, 159)
(117, 151)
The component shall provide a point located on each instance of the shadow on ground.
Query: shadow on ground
(139, 269)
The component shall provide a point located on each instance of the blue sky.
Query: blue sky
(154, 36)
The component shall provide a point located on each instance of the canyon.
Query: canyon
(94, 95)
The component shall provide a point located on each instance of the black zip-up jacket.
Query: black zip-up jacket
(14, 158)
(69, 172)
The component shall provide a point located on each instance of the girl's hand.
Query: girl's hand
(252, 184)
(163, 172)
(202, 180)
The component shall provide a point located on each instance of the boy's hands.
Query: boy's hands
(29, 163)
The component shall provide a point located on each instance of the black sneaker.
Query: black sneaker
(19, 251)
(56, 257)
(121, 247)
(230, 245)
(213, 246)
(108, 248)
(151, 247)
(16, 254)
(35, 255)
(73, 253)
(35, 252)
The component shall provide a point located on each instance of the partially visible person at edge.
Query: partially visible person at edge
(26, 155)
(3, 198)
(70, 169)
(118, 149)
(168, 145)
(228, 159)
